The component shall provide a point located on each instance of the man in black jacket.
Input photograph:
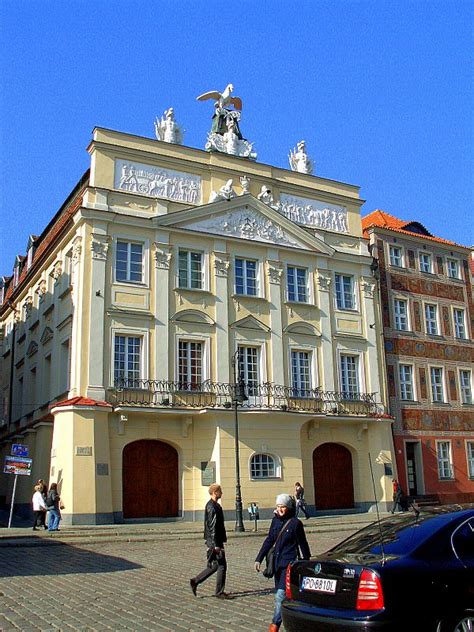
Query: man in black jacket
(215, 537)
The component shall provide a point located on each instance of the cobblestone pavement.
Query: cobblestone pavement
(134, 586)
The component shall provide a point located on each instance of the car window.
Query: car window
(463, 541)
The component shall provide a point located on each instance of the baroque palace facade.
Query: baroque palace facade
(177, 292)
(428, 316)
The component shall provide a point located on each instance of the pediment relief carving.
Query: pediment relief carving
(192, 316)
(46, 336)
(250, 322)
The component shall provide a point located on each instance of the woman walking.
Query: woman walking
(300, 501)
(39, 508)
(53, 508)
(287, 535)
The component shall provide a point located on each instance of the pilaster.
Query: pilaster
(328, 366)
(274, 276)
(221, 278)
(162, 256)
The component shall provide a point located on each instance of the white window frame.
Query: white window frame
(445, 462)
(421, 254)
(296, 267)
(204, 269)
(258, 277)
(404, 382)
(205, 358)
(441, 384)
(359, 372)
(344, 308)
(470, 459)
(145, 258)
(394, 258)
(465, 392)
(144, 350)
(311, 351)
(451, 260)
(459, 327)
(277, 465)
(396, 315)
(435, 320)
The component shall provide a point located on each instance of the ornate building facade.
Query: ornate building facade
(179, 295)
(427, 300)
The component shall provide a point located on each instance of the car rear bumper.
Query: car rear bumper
(299, 618)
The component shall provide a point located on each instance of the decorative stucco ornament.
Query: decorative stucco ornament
(226, 192)
(167, 129)
(299, 160)
(245, 182)
(225, 135)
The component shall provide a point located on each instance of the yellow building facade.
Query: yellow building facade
(169, 276)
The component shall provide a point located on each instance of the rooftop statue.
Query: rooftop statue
(167, 129)
(299, 160)
(225, 135)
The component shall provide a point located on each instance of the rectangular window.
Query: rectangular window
(396, 258)
(459, 326)
(349, 376)
(401, 314)
(297, 284)
(466, 386)
(190, 270)
(453, 269)
(129, 262)
(437, 390)
(248, 369)
(445, 466)
(425, 262)
(344, 291)
(301, 373)
(406, 381)
(431, 319)
(127, 358)
(190, 365)
(246, 277)
(470, 459)
(64, 378)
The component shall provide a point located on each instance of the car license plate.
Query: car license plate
(319, 584)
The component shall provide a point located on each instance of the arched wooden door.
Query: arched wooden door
(332, 471)
(150, 480)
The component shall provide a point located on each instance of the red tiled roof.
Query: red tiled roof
(81, 401)
(381, 219)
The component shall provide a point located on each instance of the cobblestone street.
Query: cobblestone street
(134, 586)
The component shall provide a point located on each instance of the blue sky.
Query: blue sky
(381, 91)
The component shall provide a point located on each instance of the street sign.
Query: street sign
(20, 450)
(17, 465)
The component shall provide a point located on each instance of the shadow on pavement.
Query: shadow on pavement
(252, 593)
(58, 559)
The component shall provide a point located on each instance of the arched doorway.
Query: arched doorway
(332, 471)
(150, 480)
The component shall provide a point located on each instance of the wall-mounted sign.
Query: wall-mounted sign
(208, 473)
(19, 450)
(17, 465)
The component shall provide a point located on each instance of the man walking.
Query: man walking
(215, 537)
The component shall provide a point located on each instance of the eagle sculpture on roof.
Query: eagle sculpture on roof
(224, 99)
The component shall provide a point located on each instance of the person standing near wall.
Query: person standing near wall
(39, 508)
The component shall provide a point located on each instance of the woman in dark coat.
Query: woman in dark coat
(288, 534)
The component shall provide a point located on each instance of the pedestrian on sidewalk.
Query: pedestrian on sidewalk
(52, 503)
(44, 492)
(300, 501)
(215, 537)
(287, 536)
(39, 508)
(399, 498)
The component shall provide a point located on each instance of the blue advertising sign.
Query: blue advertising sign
(20, 450)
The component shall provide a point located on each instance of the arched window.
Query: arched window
(264, 466)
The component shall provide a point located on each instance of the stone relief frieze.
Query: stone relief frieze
(157, 182)
(221, 264)
(368, 287)
(274, 272)
(313, 213)
(100, 247)
(324, 280)
(162, 256)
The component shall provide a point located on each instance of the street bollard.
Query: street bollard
(253, 514)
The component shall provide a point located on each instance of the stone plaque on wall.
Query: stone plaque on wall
(83, 450)
(208, 473)
(102, 469)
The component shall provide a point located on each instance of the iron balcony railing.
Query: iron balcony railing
(267, 396)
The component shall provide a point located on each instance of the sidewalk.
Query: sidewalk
(22, 535)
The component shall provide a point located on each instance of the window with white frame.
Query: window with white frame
(127, 358)
(437, 386)
(129, 262)
(400, 312)
(465, 379)
(470, 458)
(406, 381)
(190, 269)
(246, 281)
(431, 319)
(445, 465)
(344, 291)
(190, 365)
(349, 369)
(297, 284)
(300, 373)
(425, 262)
(459, 323)
(249, 368)
(453, 269)
(264, 466)
(396, 256)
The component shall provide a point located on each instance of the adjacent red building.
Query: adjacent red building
(428, 316)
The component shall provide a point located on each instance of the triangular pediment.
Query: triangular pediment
(250, 322)
(32, 348)
(245, 217)
(46, 336)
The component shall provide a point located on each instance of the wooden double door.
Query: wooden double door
(150, 480)
(333, 481)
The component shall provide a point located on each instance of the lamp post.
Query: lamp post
(239, 396)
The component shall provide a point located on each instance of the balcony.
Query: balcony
(163, 394)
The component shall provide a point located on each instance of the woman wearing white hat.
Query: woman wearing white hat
(287, 535)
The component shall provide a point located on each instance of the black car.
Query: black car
(413, 571)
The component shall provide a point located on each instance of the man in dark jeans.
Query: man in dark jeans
(215, 537)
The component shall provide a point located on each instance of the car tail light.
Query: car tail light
(288, 582)
(370, 593)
